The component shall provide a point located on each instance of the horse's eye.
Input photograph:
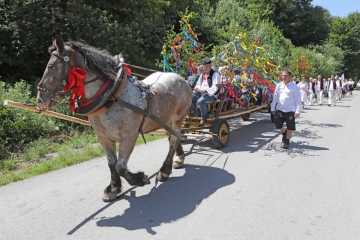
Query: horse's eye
(51, 67)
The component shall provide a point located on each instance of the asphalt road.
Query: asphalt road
(252, 189)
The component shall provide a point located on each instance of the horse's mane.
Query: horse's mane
(97, 61)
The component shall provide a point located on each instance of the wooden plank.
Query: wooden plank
(45, 112)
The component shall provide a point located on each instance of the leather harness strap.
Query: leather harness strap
(150, 115)
(112, 99)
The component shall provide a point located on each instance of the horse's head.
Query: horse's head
(50, 89)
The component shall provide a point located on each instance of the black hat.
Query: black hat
(206, 61)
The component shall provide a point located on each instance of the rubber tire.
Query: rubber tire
(245, 117)
(272, 117)
(222, 129)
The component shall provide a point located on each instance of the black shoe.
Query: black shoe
(284, 136)
(286, 144)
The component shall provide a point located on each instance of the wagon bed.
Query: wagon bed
(219, 112)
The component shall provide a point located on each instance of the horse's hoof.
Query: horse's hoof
(146, 180)
(162, 176)
(109, 196)
(178, 161)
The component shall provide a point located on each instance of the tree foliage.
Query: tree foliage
(299, 21)
(134, 27)
(345, 34)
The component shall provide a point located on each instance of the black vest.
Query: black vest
(321, 85)
(209, 77)
(334, 84)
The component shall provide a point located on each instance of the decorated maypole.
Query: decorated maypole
(252, 59)
(182, 51)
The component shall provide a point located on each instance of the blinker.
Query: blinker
(66, 58)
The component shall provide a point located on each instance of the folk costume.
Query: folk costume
(319, 90)
(209, 83)
(351, 86)
(312, 91)
(331, 88)
(304, 89)
(338, 89)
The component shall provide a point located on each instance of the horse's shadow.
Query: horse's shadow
(170, 201)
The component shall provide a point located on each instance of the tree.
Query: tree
(133, 27)
(345, 34)
(299, 21)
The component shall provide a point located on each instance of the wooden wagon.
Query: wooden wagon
(219, 112)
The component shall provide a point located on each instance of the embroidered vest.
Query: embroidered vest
(209, 78)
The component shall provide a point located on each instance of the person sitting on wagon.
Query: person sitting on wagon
(205, 90)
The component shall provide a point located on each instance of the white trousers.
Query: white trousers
(332, 97)
(338, 93)
(319, 95)
(311, 97)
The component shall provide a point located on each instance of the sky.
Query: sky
(339, 7)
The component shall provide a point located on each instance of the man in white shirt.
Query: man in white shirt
(312, 90)
(286, 106)
(331, 88)
(205, 90)
(319, 89)
(338, 88)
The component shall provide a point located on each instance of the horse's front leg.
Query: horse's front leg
(114, 188)
(127, 145)
(179, 158)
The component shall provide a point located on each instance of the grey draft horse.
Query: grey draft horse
(170, 102)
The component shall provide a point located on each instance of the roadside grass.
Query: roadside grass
(45, 155)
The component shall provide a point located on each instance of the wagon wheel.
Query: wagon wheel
(272, 117)
(222, 131)
(245, 117)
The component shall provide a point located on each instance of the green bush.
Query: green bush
(18, 126)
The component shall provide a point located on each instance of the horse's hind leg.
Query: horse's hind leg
(175, 146)
(179, 158)
(126, 147)
(166, 168)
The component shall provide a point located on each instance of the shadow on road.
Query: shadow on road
(261, 135)
(170, 201)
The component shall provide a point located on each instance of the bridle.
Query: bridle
(59, 89)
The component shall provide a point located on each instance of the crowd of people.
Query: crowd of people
(314, 90)
(205, 88)
(289, 96)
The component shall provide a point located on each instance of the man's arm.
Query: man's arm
(297, 101)
(197, 86)
(275, 98)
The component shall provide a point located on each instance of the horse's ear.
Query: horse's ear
(58, 42)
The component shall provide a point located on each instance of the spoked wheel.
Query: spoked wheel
(245, 117)
(221, 128)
